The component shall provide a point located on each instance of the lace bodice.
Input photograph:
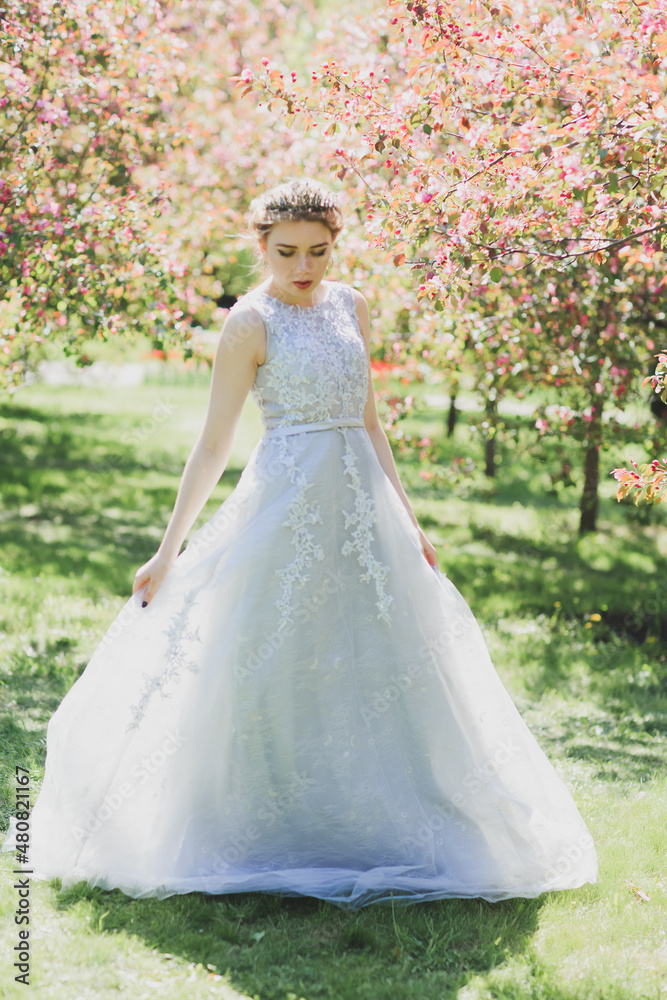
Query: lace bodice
(315, 367)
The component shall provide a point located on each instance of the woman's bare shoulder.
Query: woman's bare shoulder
(248, 308)
(359, 297)
(244, 329)
(360, 303)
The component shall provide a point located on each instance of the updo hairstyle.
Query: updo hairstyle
(295, 201)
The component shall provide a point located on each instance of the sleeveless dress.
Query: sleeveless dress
(306, 707)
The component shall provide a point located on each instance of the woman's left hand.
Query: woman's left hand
(428, 549)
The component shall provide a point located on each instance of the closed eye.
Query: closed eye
(290, 253)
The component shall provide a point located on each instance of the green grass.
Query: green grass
(576, 627)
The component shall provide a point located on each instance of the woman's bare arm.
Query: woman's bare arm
(378, 436)
(240, 350)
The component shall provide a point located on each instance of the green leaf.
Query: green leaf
(496, 274)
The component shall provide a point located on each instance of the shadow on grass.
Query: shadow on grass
(79, 502)
(36, 684)
(23, 746)
(619, 764)
(579, 575)
(274, 947)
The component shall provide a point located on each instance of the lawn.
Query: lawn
(577, 628)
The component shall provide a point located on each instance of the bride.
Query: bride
(299, 702)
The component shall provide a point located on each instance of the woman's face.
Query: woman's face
(298, 254)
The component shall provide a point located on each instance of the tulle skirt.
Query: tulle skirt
(306, 707)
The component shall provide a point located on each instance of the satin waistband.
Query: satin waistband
(324, 425)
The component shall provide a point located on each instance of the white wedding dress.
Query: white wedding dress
(306, 707)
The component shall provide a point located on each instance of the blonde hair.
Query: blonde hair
(295, 201)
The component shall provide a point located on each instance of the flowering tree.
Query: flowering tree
(580, 333)
(493, 152)
(591, 321)
(128, 164)
(234, 148)
(486, 136)
(647, 483)
(522, 145)
(87, 91)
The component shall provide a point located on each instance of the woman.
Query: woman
(300, 702)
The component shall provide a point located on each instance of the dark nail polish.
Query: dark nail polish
(144, 604)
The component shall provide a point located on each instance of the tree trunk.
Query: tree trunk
(490, 456)
(490, 412)
(589, 498)
(452, 416)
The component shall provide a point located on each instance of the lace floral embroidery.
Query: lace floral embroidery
(292, 388)
(176, 657)
(316, 369)
(361, 520)
(316, 366)
(300, 515)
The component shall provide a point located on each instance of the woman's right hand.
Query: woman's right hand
(151, 575)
